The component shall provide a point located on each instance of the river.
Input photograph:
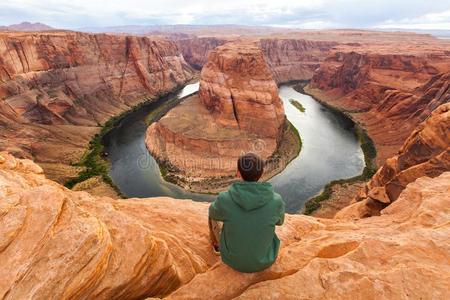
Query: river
(330, 151)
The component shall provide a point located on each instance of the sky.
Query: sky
(304, 14)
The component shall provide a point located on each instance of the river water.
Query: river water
(330, 151)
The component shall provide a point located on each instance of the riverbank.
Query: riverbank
(289, 148)
(95, 167)
(332, 196)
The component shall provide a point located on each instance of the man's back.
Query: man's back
(250, 211)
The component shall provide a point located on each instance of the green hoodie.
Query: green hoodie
(249, 211)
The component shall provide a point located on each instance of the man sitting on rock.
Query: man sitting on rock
(249, 211)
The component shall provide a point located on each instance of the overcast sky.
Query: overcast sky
(317, 14)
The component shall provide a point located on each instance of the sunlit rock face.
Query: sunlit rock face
(426, 152)
(56, 243)
(236, 110)
(56, 88)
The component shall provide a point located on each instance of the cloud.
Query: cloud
(285, 13)
(440, 20)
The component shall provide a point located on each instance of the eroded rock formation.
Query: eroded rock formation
(56, 88)
(389, 94)
(56, 243)
(238, 89)
(426, 152)
(288, 58)
(236, 110)
(294, 59)
(196, 49)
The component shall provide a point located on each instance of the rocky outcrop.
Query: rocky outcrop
(56, 88)
(236, 110)
(238, 89)
(56, 243)
(426, 152)
(294, 59)
(195, 50)
(388, 94)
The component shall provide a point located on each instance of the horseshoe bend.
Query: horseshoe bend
(364, 113)
(237, 110)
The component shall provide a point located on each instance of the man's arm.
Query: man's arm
(281, 213)
(216, 211)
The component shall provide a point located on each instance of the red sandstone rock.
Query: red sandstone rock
(57, 87)
(426, 152)
(238, 89)
(237, 110)
(288, 59)
(294, 59)
(196, 50)
(56, 243)
(389, 94)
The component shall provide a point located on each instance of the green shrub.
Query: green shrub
(297, 104)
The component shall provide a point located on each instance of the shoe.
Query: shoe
(216, 250)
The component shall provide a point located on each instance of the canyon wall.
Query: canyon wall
(56, 88)
(294, 59)
(288, 59)
(195, 50)
(388, 94)
(426, 152)
(56, 243)
(236, 110)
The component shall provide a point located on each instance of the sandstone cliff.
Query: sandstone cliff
(388, 94)
(56, 88)
(294, 59)
(236, 110)
(287, 58)
(56, 243)
(426, 152)
(238, 89)
(195, 50)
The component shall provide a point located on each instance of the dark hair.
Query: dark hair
(251, 167)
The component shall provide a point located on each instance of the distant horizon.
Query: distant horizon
(299, 14)
(392, 29)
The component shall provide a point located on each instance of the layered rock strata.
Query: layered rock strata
(288, 58)
(236, 110)
(426, 152)
(294, 59)
(56, 88)
(195, 50)
(388, 94)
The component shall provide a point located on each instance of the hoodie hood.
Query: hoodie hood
(251, 195)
